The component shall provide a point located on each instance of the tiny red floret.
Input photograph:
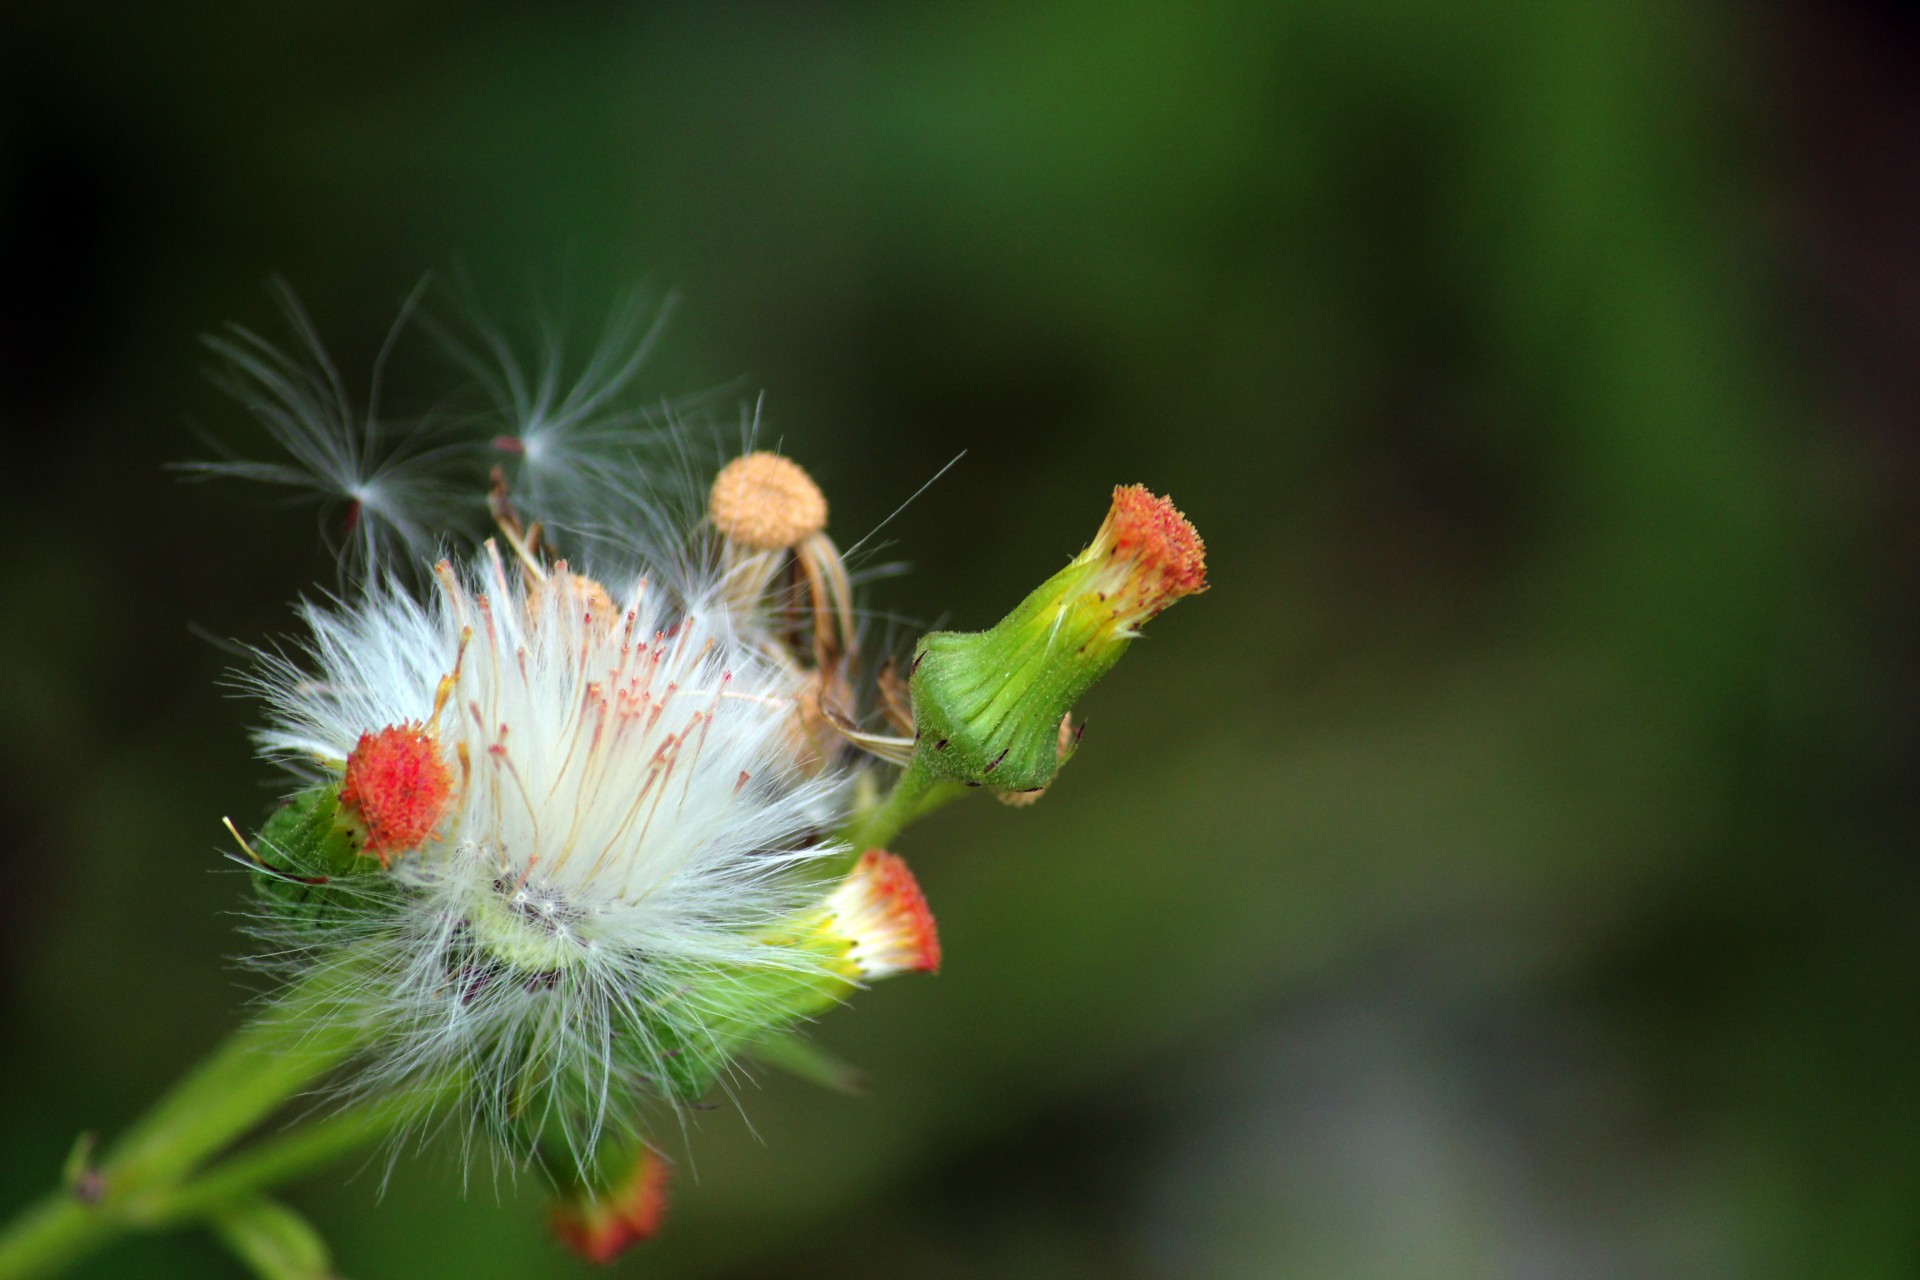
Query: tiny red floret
(1164, 545)
(887, 917)
(397, 786)
(601, 1228)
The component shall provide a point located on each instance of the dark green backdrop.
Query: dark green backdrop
(1506, 870)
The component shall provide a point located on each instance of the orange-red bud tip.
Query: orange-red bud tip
(397, 787)
(602, 1228)
(1164, 549)
(880, 910)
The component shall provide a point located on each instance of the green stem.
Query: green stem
(916, 794)
(62, 1228)
(274, 1161)
(258, 1068)
(53, 1233)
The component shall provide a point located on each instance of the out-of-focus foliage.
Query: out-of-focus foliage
(1504, 870)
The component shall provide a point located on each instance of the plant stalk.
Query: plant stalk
(251, 1075)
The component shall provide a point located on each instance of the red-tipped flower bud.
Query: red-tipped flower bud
(988, 705)
(396, 790)
(602, 1226)
(882, 917)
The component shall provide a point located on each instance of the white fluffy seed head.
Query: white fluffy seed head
(631, 810)
(627, 815)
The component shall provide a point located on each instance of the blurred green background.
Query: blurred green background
(1506, 870)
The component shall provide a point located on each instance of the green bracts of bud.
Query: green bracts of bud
(307, 861)
(735, 1009)
(872, 925)
(988, 705)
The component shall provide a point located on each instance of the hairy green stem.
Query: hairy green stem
(275, 1160)
(260, 1067)
(251, 1075)
(916, 794)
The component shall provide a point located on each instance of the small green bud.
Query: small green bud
(989, 705)
(874, 924)
(309, 864)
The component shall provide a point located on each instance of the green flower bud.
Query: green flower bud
(988, 705)
(874, 924)
(309, 866)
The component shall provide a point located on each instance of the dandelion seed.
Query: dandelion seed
(395, 492)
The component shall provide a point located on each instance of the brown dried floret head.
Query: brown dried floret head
(766, 502)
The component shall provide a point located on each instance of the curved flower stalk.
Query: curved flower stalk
(570, 843)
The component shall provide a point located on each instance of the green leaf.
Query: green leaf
(796, 1055)
(273, 1240)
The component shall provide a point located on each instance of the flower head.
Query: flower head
(766, 502)
(565, 836)
(583, 820)
(881, 918)
(600, 1226)
(1145, 556)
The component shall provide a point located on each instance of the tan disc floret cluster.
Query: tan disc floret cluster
(784, 581)
(784, 571)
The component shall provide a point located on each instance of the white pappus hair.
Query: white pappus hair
(400, 487)
(639, 780)
(627, 816)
